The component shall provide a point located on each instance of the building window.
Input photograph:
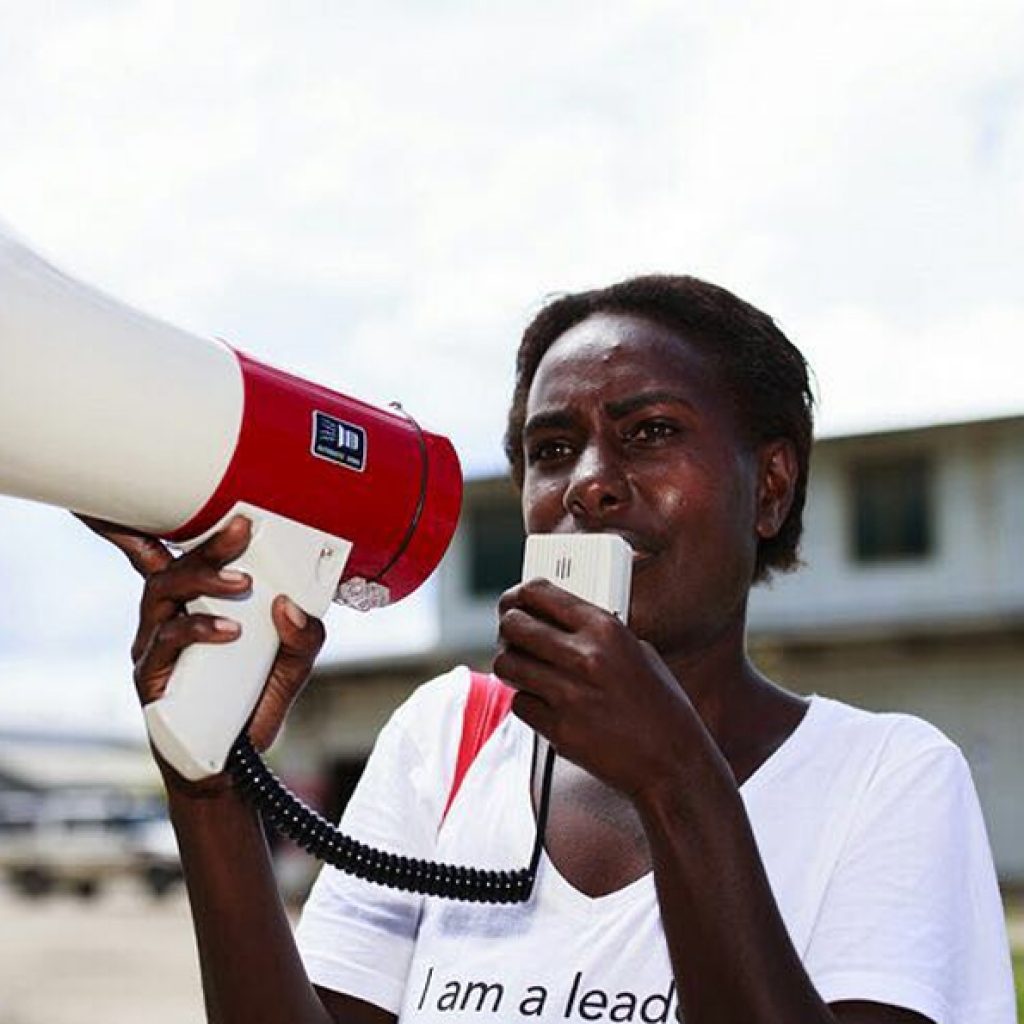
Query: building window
(892, 509)
(495, 535)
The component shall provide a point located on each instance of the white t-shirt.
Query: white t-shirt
(868, 826)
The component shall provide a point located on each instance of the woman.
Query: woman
(717, 848)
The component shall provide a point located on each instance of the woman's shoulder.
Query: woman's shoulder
(435, 708)
(891, 739)
(438, 693)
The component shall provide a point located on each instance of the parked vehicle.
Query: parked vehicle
(80, 842)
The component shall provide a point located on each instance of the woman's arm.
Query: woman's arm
(607, 702)
(732, 956)
(250, 966)
(251, 969)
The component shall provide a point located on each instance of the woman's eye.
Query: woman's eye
(652, 430)
(547, 451)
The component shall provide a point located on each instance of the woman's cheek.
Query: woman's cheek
(542, 506)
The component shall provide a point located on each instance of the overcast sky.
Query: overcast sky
(377, 195)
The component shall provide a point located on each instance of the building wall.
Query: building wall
(973, 572)
(467, 620)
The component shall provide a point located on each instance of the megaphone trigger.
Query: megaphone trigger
(197, 720)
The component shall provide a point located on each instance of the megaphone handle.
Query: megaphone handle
(215, 687)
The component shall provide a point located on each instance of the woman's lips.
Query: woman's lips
(643, 553)
(642, 559)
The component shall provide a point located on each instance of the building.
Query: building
(912, 598)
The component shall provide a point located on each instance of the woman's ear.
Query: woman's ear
(777, 473)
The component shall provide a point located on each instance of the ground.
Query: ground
(122, 957)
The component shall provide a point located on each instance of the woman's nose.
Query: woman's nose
(598, 484)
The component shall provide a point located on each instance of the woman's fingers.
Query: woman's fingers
(550, 602)
(527, 674)
(519, 629)
(198, 573)
(166, 628)
(535, 713)
(561, 631)
(225, 545)
(154, 665)
(301, 637)
(168, 592)
(544, 699)
(146, 554)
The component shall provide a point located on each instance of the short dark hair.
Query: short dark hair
(765, 374)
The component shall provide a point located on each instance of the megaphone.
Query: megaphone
(113, 414)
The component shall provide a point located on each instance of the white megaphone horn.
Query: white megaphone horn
(113, 414)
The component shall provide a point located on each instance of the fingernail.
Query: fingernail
(237, 520)
(296, 616)
(226, 626)
(233, 576)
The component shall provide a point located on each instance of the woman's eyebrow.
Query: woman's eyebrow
(554, 420)
(562, 419)
(625, 406)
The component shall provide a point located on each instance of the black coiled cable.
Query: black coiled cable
(287, 814)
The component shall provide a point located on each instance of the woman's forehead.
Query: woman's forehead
(618, 351)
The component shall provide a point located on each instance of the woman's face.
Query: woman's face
(629, 430)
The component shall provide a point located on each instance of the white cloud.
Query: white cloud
(876, 373)
(378, 196)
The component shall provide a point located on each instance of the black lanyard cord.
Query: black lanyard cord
(288, 815)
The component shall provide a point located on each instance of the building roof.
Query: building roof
(53, 762)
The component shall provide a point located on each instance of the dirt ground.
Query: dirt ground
(121, 957)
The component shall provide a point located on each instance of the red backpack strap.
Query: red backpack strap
(487, 704)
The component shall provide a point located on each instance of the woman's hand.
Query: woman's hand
(604, 699)
(166, 628)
